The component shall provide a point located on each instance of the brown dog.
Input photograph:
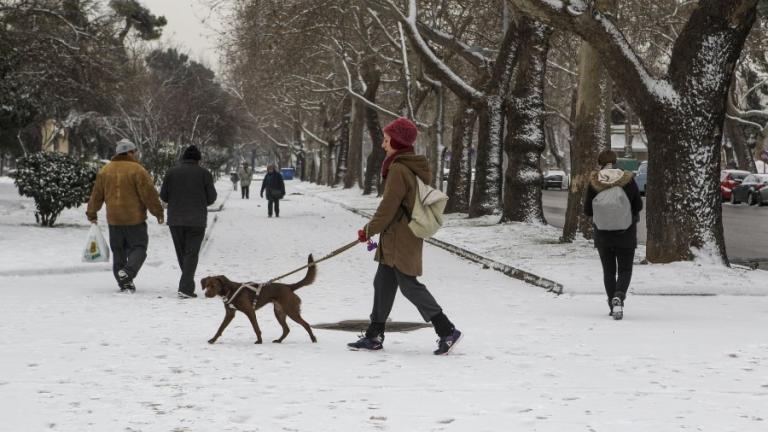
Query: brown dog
(282, 296)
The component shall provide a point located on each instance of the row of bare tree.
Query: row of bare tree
(510, 82)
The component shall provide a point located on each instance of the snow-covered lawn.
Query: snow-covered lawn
(536, 249)
(76, 356)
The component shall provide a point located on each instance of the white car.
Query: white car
(555, 179)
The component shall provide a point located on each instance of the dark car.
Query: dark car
(753, 189)
(555, 179)
(729, 179)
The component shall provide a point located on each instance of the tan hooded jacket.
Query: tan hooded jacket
(127, 189)
(398, 246)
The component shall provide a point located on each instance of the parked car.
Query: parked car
(641, 176)
(729, 179)
(555, 179)
(753, 189)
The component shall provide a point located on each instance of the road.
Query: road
(746, 236)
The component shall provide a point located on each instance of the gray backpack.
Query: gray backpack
(611, 210)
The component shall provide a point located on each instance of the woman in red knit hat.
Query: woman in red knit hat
(399, 251)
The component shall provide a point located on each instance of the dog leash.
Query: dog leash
(257, 288)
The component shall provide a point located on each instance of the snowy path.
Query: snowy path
(75, 356)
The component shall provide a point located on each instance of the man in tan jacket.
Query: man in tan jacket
(399, 251)
(128, 190)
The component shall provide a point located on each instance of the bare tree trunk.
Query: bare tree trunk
(353, 175)
(436, 137)
(372, 77)
(459, 176)
(343, 147)
(525, 127)
(487, 188)
(591, 135)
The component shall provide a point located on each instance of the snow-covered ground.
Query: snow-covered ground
(76, 356)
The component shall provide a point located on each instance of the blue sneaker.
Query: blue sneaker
(367, 344)
(445, 344)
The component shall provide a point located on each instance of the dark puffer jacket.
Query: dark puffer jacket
(615, 239)
(274, 185)
(188, 190)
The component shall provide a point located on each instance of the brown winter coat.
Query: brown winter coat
(128, 190)
(398, 247)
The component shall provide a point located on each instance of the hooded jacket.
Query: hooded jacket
(127, 189)
(605, 179)
(398, 246)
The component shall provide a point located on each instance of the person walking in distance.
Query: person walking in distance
(246, 175)
(234, 178)
(188, 190)
(275, 186)
(400, 251)
(613, 202)
(128, 191)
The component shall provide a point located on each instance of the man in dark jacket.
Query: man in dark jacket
(188, 190)
(400, 251)
(275, 187)
(616, 247)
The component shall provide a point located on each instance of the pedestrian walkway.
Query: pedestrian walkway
(78, 356)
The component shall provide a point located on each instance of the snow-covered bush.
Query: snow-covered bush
(55, 181)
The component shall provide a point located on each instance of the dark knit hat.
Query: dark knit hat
(402, 132)
(606, 157)
(192, 153)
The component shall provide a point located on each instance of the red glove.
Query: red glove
(361, 236)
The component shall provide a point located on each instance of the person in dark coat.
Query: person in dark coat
(275, 187)
(234, 178)
(616, 248)
(188, 190)
(245, 175)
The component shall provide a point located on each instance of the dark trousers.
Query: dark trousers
(129, 248)
(273, 203)
(616, 261)
(244, 191)
(234, 185)
(187, 241)
(385, 286)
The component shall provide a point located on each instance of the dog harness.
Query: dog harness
(256, 289)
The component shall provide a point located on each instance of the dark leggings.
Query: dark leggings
(616, 260)
(273, 203)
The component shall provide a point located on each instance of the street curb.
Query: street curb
(513, 272)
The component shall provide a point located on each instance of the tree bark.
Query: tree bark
(343, 147)
(372, 77)
(592, 133)
(525, 127)
(459, 176)
(353, 175)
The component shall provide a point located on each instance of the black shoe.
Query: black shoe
(367, 344)
(445, 344)
(184, 295)
(618, 308)
(126, 283)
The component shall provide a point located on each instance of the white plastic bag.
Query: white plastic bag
(96, 249)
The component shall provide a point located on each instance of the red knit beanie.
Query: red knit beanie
(402, 133)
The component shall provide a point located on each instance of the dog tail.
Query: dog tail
(309, 278)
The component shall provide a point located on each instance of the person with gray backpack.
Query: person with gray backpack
(613, 202)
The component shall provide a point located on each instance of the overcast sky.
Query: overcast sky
(188, 27)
